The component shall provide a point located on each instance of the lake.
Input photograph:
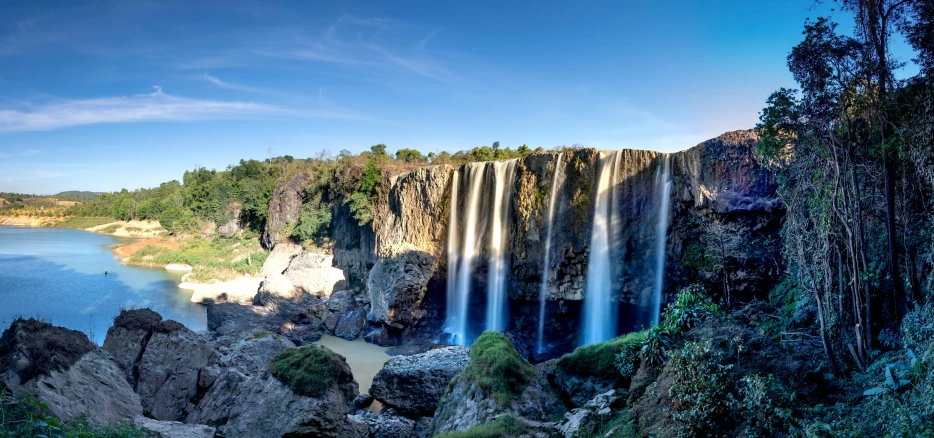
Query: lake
(57, 274)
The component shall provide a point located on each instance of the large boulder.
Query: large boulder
(227, 320)
(397, 286)
(174, 429)
(350, 324)
(62, 368)
(285, 206)
(167, 366)
(247, 401)
(314, 273)
(388, 424)
(496, 382)
(413, 385)
(279, 259)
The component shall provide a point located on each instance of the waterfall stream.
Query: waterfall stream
(451, 323)
(504, 174)
(664, 185)
(600, 309)
(469, 248)
(546, 269)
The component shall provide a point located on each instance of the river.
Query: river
(57, 275)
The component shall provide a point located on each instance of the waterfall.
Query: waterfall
(599, 309)
(450, 322)
(504, 174)
(546, 270)
(664, 184)
(473, 174)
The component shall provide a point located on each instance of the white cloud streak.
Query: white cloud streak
(156, 106)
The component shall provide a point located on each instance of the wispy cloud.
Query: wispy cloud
(424, 42)
(231, 86)
(156, 106)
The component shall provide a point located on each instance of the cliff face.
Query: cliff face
(723, 224)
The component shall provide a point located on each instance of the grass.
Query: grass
(84, 222)
(497, 368)
(309, 370)
(110, 229)
(47, 347)
(503, 426)
(210, 259)
(600, 359)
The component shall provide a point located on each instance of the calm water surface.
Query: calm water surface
(58, 274)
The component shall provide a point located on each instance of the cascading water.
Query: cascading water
(453, 313)
(546, 270)
(470, 245)
(504, 174)
(664, 185)
(599, 309)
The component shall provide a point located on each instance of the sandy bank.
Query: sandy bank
(29, 221)
(236, 291)
(130, 229)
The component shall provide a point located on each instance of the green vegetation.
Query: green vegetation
(691, 306)
(309, 370)
(503, 426)
(216, 259)
(497, 368)
(29, 417)
(84, 222)
(601, 359)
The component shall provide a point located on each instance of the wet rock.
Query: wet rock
(303, 335)
(413, 385)
(382, 337)
(350, 324)
(62, 368)
(397, 285)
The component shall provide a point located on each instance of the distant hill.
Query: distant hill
(78, 194)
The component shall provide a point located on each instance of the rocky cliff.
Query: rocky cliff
(723, 228)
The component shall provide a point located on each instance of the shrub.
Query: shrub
(764, 405)
(701, 396)
(601, 359)
(313, 222)
(503, 426)
(691, 306)
(309, 370)
(497, 368)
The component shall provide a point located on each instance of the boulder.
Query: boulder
(163, 360)
(413, 385)
(303, 335)
(62, 368)
(232, 226)
(397, 285)
(246, 401)
(314, 273)
(229, 319)
(382, 337)
(388, 424)
(586, 420)
(279, 259)
(294, 305)
(285, 206)
(208, 229)
(344, 301)
(174, 429)
(350, 324)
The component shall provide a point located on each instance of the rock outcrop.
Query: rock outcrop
(587, 419)
(397, 285)
(285, 206)
(245, 401)
(413, 385)
(174, 429)
(164, 361)
(62, 368)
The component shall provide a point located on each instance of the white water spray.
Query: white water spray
(664, 184)
(546, 270)
(469, 248)
(504, 174)
(599, 309)
(452, 299)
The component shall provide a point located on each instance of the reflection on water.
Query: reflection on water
(58, 275)
(365, 359)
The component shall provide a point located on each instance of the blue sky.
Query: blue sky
(111, 94)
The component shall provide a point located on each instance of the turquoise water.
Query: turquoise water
(58, 274)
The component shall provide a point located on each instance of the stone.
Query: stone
(388, 424)
(285, 206)
(350, 324)
(586, 420)
(413, 385)
(248, 402)
(174, 429)
(303, 335)
(230, 319)
(382, 337)
(232, 226)
(397, 285)
(296, 305)
(62, 368)
(315, 274)
(279, 259)
(344, 301)
(163, 360)
(208, 229)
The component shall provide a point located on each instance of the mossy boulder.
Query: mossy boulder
(594, 369)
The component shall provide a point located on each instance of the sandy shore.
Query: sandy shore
(239, 291)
